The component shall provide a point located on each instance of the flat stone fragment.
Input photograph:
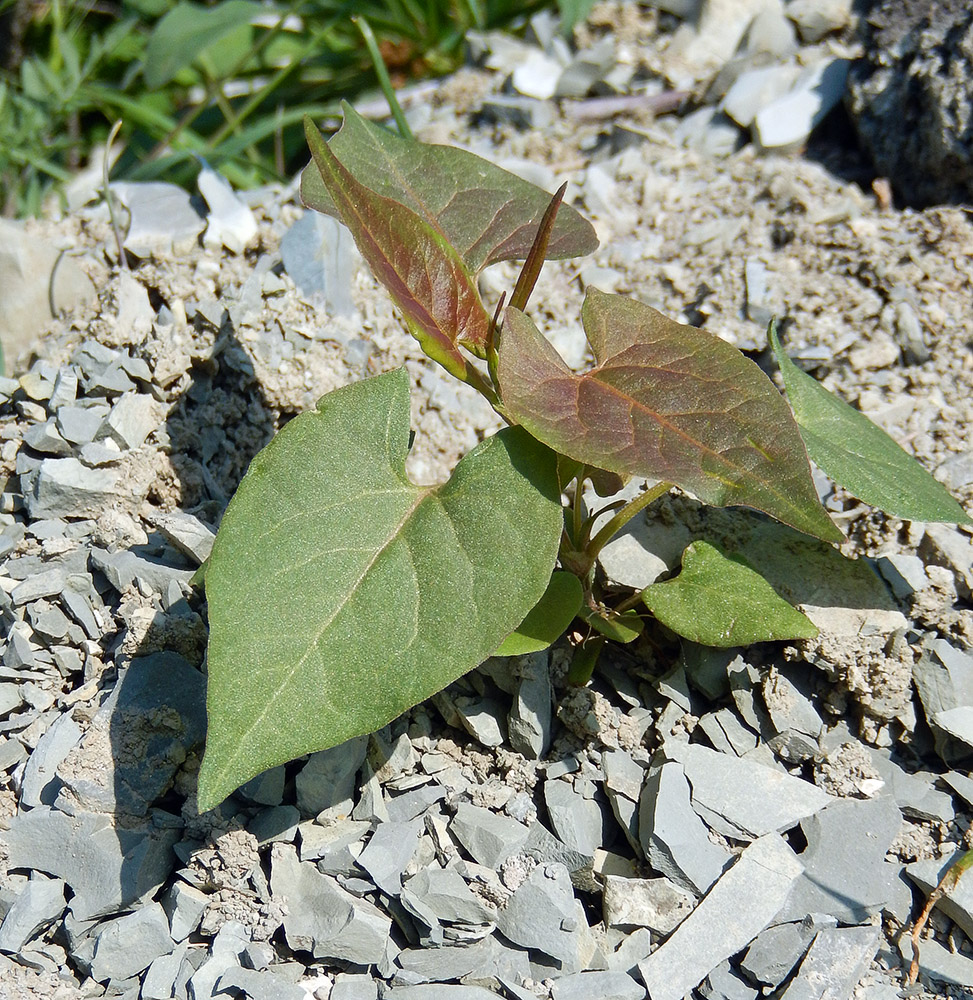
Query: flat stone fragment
(139, 737)
(958, 722)
(943, 676)
(39, 785)
(39, 903)
(262, 985)
(490, 838)
(389, 851)
(184, 905)
(124, 567)
(845, 871)
(326, 783)
(128, 945)
(937, 963)
(956, 902)
(38, 585)
(161, 217)
(63, 487)
(673, 837)
(722, 983)
(962, 784)
(348, 986)
(791, 118)
(230, 222)
(743, 799)
(440, 991)
(543, 914)
(132, 419)
(107, 866)
(446, 894)
(655, 903)
(603, 985)
(81, 424)
(46, 438)
(774, 952)
(160, 977)
(319, 255)
(835, 963)
(486, 958)
(529, 721)
(323, 918)
(576, 820)
(720, 926)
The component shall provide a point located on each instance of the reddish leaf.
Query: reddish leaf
(485, 212)
(423, 273)
(664, 401)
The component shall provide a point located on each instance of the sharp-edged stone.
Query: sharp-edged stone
(944, 545)
(956, 722)
(937, 963)
(107, 866)
(349, 986)
(184, 905)
(415, 802)
(943, 676)
(132, 419)
(545, 848)
(719, 926)
(529, 722)
(903, 573)
(543, 914)
(63, 487)
(845, 872)
(389, 852)
(488, 837)
(790, 119)
(124, 567)
(160, 977)
(673, 836)
(774, 952)
(604, 985)
(326, 783)
(319, 255)
(262, 985)
(225, 953)
(275, 823)
(322, 917)
(440, 991)
(40, 784)
(331, 842)
(128, 945)
(722, 983)
(576, 819)
(230, 222)
(835, 963)
(45, 584)
(139, 737)
(655, 903)
(38, 904)
(186, 532)
(162, 217)
(744, 799)
(46, 438)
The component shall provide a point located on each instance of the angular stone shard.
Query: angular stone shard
(720, 926)
(40, 902)
(128, 945)
(389, 851)
(845, 871)
(108, 867)
(743, 799)
(837, 960)
(63, 487)
(543, 914)
(655, 903)
(323, 918)
(673, 837)
(956, 902)
(489, 837)
(603, 985)
(326, 783)
(576, 819)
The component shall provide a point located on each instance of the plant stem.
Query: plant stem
(383, 77)
(112, 135)
(953, 874)
(577, 508)
(624, 516)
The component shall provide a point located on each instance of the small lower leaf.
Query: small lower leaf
(340, 593)
(624, 627)
(720, 601)
(859, 455)
(547, 621)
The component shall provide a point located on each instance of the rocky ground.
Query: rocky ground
(760, 821)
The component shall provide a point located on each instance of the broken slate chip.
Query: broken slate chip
(107, 866)
(720, 926)
(835, 963)
(389, 851)
(544, 915)
(489, 837)
(743, 799)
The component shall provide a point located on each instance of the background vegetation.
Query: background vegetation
(226, 81)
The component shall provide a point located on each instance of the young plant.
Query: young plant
(341, 594)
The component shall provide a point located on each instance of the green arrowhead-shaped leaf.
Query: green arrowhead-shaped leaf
(860, 455)
(423, 273)
(667, 402)
(624, 627)
(484, 211)
(340, 593)
(720, 601)
(547, 621)
(187, 29)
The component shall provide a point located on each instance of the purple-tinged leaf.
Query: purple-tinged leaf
(484, 211)
(423, 273)
(531, 270)
(665, 401)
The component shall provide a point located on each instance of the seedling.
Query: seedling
(341, 594)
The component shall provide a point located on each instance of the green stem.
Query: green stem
(585, 659)
(383, 77)
(624, 516)
(577, 508)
